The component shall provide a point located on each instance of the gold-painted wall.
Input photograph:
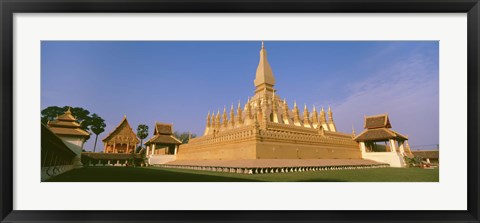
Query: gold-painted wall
(275, 150)
(231, 151)
(267, 150)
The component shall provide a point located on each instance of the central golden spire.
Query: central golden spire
(264, 79)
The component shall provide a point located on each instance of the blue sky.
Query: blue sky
(180, 81)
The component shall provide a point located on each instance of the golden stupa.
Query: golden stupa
(265, 128)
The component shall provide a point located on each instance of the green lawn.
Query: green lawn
(155, 174)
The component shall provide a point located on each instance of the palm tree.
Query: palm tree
(97, 127)
(142, 133)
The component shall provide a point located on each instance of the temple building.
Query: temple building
(163, 145)
(266, 128)
(57, 157)
(380, 143)
(70, 131)
(121, 140)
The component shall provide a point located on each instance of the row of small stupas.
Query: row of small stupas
(267, 129)
(269, 109)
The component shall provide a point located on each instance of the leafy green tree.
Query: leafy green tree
(97, 127)
(50, 113)
(142, 133)
(184, 137)
(82, 115)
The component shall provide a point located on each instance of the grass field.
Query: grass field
(154, 174)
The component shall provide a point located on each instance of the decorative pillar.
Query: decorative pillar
(393, 146)
(362, 147)
(153, 149)
(402, 149)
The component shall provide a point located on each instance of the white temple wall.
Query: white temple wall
(161, 159)
(395, 159)
(74, 143)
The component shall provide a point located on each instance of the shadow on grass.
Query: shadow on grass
(130, 174)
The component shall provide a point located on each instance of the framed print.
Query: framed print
(239, 111)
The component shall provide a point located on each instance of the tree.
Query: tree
(142, 133)
(82, 115)
(50, 113)
(97, 127)
(184, 137)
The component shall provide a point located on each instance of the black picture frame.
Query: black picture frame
(9, 7)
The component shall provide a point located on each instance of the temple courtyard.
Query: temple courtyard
(158, 174)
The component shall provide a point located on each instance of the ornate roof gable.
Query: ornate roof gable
(123, 132)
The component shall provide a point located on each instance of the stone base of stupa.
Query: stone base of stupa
(263, 166)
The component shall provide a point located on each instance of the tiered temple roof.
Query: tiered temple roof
(122, 134)
(67, 125)
(163, 134)
(378, 128)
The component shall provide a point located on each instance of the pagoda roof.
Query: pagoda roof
(64, 124)
(377, 121)
(163, 129)
(67, 116)
(379, 134)
(128, 135)
(67, 125)
(163, 139)
(69, 131)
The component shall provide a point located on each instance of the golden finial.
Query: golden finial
(263, 45)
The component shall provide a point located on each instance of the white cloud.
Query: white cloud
(406, 90)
